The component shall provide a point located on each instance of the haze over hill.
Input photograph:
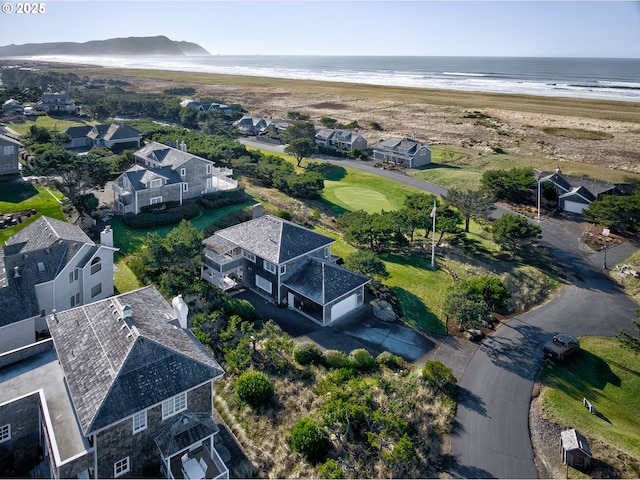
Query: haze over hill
(159, 45)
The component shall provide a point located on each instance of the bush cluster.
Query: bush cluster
(254, 388)
(306, 353)
(161, 218)
(216, 200)
(308, 439)
(390, 360)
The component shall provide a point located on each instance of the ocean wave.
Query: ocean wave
(448, 80)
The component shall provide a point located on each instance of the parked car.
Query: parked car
(561, 346)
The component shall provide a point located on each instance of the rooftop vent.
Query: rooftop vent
(41, 266)
(16, 272)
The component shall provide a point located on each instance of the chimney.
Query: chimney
(181, 310)
(183, 146)
(106, 236)
(257, 210)
(559, 171)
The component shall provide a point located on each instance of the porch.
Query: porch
(199, 463)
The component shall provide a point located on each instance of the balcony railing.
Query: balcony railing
(120, 190)
(208, 462)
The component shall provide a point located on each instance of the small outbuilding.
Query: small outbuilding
(575, 449)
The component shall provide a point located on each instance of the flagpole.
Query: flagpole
(433, 236)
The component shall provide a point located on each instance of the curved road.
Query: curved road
(491, 434)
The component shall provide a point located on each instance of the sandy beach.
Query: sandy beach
(569, 131)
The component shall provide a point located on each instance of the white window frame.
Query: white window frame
(155, 200)
(327, 252)
(139, 421)
(264, 284)
(269, 267)
(185, 187)
(174, 405)
(249, 256)
(121, 467)
(5, 433)
(96, 265)
(183, 172)
(155, 183)
(208, 169)
(94, 288)
(71, 277)
(8, 149)
(75, 300)
(283, 269)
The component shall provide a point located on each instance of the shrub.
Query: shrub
(437, 375)
(335, 359)
(390, 360)
(284, 214)
(254, 387)
(362, 359)
(241, 308)
(306, 353)
(330, 469)
(162, 218)
(216, 200)
(308, 439)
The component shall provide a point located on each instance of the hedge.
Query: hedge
(162, 218)
(215, 200)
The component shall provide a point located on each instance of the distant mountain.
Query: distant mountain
(160, 45)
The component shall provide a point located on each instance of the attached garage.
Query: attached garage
(574, 207)
(344, 306)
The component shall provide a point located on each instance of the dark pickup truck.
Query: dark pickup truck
(562, 346)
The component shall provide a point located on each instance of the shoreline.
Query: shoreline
(531, 126)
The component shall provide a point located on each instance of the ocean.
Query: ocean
(594, 78)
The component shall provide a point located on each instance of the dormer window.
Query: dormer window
(155, 183)
(183, 172)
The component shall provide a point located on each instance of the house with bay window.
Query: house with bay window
(49, 265)
(287, 264)
(122, 390)
(166, 174)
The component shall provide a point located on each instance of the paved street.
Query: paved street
(491, 434)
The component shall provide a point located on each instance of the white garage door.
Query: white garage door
(574, 207)
(344, 306)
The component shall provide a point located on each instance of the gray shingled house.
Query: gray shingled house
(110, 135)
(575, 194)
(49, 265)
(286, 263)
(126, 392)
(164, 174)
(403, 152)
(340, 138)
(9, 149)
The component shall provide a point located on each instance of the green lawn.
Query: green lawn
(419, 289)
(609, 377)
(124, 280)
(50, 123)
(130, 240)
(25, 196)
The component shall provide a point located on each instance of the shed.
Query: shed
(575, 449)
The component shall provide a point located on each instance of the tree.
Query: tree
(299, 130)
(473, 299)
(447, 221)
(474, 204)
(514, 231)
(628, 341)
(437, 375)
(306, 185)
(366, 263)
(514, 185)
(492, 290)
(619, 213)
(73, 175)
(301, 148)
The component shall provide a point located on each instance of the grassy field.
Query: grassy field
(50, 123)
(124, 280)
(25, 196)
(609, 377)
(463, 169)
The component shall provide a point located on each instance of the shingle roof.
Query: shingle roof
(164, 155)
(140, 176)
(271, 238)
(37, 254)
(573, 440)
(186, 430)
(324, 282)
(78, 132)
(113, 131)
(116, 367)
(4, 138)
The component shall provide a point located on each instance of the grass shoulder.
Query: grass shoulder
(608, 376)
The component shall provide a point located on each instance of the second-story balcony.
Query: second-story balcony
(120, 190)
(222, 263)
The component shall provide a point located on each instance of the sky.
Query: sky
(337, 27)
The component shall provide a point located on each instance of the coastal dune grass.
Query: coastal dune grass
(609, 377)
